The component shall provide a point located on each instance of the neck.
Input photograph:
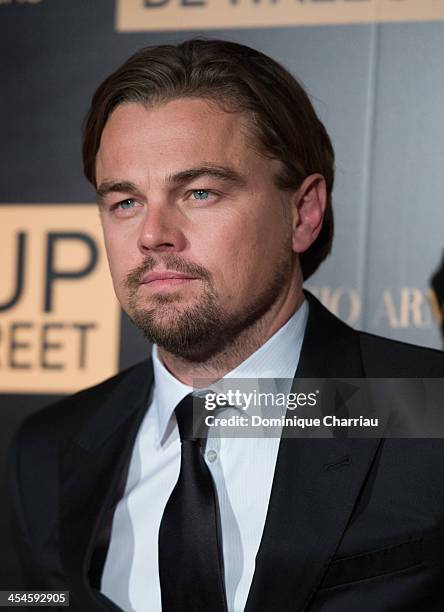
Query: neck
(244, 345)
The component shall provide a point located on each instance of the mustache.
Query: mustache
(170, 262)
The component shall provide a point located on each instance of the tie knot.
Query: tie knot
(190, 415)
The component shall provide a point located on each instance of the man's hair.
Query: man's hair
(282, 118)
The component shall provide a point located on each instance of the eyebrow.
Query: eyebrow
(115, 187)
(222, 173)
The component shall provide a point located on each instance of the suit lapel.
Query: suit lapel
(93, 470)
(316, 482)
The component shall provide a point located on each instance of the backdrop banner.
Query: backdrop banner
(137, 15)
(59, 318)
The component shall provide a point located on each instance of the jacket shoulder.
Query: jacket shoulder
(65, 415)
(383, 357)
(349, 351)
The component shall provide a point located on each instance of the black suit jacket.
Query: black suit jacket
(352, 524)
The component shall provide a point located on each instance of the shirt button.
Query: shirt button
(211, 456)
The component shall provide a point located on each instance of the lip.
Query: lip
(153, 277)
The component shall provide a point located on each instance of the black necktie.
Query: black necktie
(190, 554)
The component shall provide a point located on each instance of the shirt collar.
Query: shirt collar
(278, 357)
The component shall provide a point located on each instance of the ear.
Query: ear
(309, 203)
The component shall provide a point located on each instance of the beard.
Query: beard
(203, 329)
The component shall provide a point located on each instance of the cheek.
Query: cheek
(260, 250)
(234, 258)
(119, 258)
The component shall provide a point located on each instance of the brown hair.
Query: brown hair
(283, 119)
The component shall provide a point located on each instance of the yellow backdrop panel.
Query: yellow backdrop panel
(59, 324)
(137, 15)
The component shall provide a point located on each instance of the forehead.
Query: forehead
(168, 135)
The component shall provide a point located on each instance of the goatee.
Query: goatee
(204, 328)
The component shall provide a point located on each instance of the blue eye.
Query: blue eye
(126, 204)
(200, 194)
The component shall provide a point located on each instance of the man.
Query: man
(214, 179)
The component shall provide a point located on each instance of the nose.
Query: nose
(160, 231)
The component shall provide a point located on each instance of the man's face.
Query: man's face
(182, 190)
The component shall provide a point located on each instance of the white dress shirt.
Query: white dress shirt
(242, 469)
